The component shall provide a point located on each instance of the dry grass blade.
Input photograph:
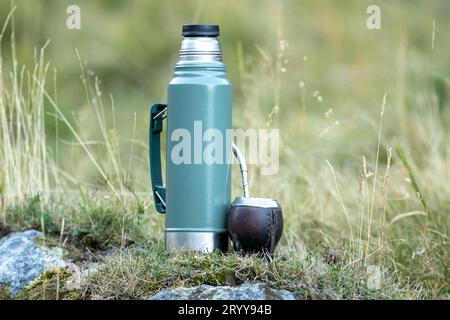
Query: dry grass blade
(344, 208)
(406, 215)
(372, 202)
(411, 175)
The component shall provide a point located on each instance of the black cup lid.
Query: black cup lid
(200, 30)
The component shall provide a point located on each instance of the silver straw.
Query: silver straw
(244, 170)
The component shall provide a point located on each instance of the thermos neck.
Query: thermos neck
(200, 49)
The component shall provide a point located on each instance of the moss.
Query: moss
(4, 293)
(51, 285)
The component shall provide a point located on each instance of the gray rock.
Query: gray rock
(22, 260)
(246, 291)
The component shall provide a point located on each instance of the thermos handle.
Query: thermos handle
(157, 115)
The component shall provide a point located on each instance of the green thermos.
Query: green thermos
(196, 197)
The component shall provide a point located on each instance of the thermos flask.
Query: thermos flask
(196, 195)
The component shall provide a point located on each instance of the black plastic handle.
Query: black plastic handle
(157, 112)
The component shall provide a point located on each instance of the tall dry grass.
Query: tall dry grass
(27, 167)
(31, 168)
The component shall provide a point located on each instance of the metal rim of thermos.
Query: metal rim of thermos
(200, 49)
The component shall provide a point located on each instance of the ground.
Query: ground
(139, 268)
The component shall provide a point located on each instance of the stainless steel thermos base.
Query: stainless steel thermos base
(205, 242)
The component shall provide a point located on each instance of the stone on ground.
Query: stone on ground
(246, 291)
(22, 260)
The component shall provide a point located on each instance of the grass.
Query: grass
(95, 227)
(145, 270)
(142, 270)
(142, 267)
(73, 157)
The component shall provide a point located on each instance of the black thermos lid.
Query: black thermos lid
(200, 30)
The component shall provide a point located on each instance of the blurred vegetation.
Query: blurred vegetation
(310, 68)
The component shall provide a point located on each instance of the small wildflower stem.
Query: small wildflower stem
(343, 205)
(363, 187)
(385, 192)
(372, 202)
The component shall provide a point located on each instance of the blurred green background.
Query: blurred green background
(315, 62)
(132, 45)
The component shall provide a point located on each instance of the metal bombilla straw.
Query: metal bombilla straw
(244, 171)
